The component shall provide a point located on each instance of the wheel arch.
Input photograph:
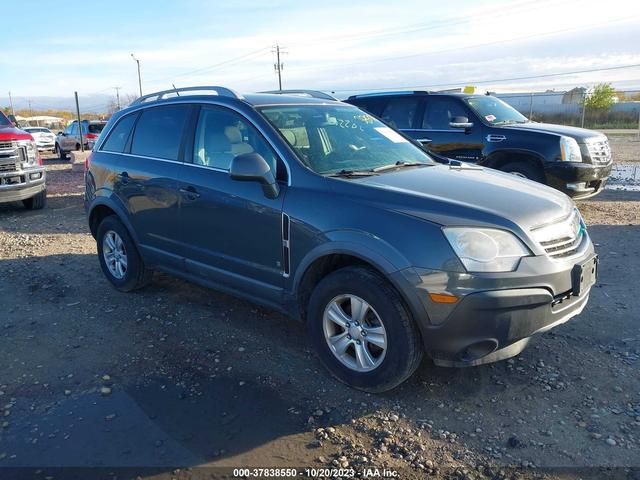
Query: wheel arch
(335, 255)
(500, 158)
(104, 207)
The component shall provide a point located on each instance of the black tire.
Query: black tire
(404, 347)
(136, 275)
(37, 202)
(526, 170)
(61, 154)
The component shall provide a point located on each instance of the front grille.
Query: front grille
(8, 145)
(561, 239)
(8, 167)
(600, 152)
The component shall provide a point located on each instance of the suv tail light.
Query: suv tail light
(92, 136)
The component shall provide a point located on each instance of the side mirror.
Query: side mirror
(252, 167)
(460, 122)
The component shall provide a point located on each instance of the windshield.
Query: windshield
(495, 111)
(332, 139)
(37, 130)
(4, 121)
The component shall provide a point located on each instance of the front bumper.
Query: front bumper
(22, 184)
(496, 314)
(45, 146)
(577, 179)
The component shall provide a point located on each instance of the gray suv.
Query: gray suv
(319, 210)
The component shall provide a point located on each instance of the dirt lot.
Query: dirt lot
(625, 148)
(179, 379)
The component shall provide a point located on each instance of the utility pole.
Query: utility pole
(13, 112)
(30, 110)
(139, 77)
(278, 66)
(79, 122)
(118, 97)
(531, 107)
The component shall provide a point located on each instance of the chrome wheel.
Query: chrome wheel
(355, 333)
(115, 255)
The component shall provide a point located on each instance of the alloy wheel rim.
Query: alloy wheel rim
(354, 333)
(115, 254)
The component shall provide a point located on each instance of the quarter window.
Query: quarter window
(400, 112)
(159, 132)
(440, 111)
(120, 134)
(222, 135)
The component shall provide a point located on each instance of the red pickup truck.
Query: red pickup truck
(22, 176)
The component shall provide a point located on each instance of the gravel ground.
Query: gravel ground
(180, 379)
(625, 148)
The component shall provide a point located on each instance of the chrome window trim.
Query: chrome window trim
(439, 130)
(175, 101)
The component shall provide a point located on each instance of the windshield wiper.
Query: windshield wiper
(393, 166)
(352, 173)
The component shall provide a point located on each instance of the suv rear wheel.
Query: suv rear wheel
(119, 258)
(361, 330)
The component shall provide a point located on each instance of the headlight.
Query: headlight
(570, 150)
(486, 249)
(31, 150)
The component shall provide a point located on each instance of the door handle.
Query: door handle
(424, 140)
(190, 192)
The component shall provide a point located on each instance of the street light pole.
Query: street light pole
(139, 77)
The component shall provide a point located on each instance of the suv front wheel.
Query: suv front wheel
(361, 330)
(119, 258)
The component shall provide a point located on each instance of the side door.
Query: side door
(68, 140)
(436, 130)
(232, 232)
(147, 181)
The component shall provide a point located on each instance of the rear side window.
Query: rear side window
(120, 134)
(96, 127)
(159, 132)
(400, 112)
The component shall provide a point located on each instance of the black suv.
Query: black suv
(320, 210)
(485, 130)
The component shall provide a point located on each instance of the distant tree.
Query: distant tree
(601, 98)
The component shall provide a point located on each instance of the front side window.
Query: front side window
(440, 111)
(120, 134)
(331, 139)
(159, 132)
(495, 111)
(73, 129)
(222, 135)
(400, 112)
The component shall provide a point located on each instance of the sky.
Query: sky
(338, 46)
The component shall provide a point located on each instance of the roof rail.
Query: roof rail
(221, 91)
(380, 94)
(304, 93)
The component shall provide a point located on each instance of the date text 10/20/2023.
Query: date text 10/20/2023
(369, 472)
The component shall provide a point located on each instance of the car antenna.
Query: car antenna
(174, 87)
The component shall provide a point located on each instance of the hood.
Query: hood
(470, 196)
(580, 134)
(10, 132)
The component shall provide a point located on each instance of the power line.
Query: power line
(213, 66)
(476, 82)
(466, 47)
